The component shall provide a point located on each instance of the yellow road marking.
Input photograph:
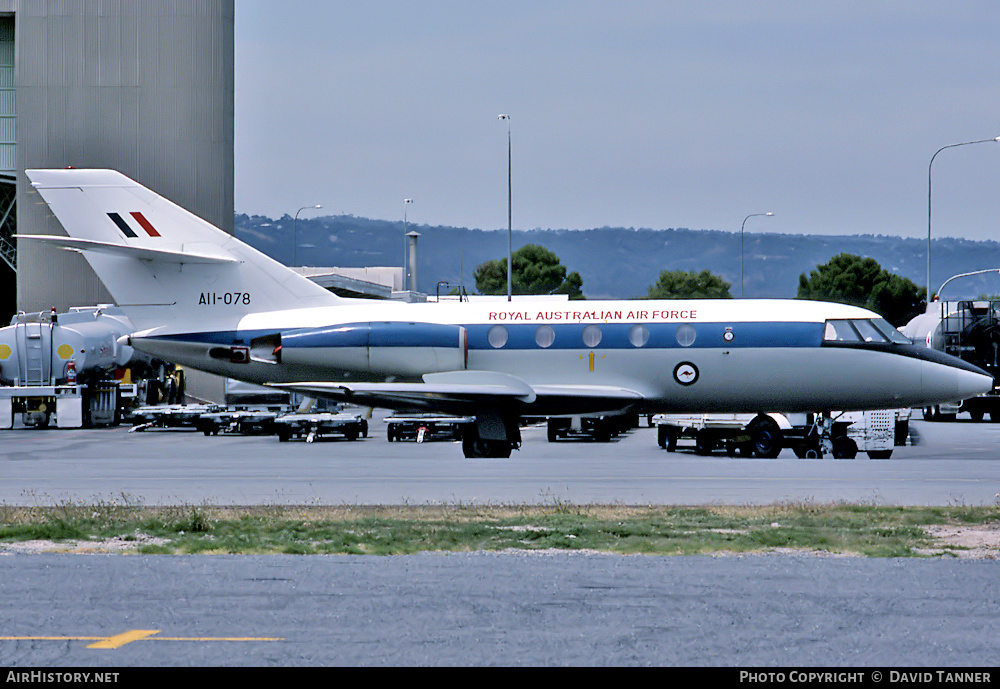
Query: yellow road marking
(119, 640)
(128, 637)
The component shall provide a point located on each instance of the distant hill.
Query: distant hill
(618, 262)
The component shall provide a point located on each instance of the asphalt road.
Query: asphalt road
(953, 463)
(489, 609)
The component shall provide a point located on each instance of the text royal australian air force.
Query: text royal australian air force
(706, 311)
(576, 316)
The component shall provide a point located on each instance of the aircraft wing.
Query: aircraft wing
(462, 392)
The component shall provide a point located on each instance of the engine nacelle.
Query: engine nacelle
(389, 349)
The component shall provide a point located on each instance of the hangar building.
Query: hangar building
(142, 86)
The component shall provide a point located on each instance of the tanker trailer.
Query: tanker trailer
(63, 365)
(969, 330)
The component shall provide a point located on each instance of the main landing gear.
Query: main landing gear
(492, 436)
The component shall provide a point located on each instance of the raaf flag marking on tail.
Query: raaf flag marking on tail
(128, 231)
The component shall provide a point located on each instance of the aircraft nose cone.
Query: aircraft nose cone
(947, 379)
(972, 384)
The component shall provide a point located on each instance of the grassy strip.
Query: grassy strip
(841, 528)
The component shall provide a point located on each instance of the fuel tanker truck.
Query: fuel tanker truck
(63, 365)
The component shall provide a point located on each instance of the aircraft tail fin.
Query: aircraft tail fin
(165, 266)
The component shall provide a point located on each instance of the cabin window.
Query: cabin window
(591, 336)
(497, 336)
(638, 335)
(686, 335)
(545, 336)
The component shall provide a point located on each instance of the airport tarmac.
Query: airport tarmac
(548, 608)
(953, 463)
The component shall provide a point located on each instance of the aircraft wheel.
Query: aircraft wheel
(902, 430)
(844, 448)
(661, 436)
(879, 454)
(704, 443)
(478, 448)
(502, 449)
(766, 437)
(552, 431)
(672, 442)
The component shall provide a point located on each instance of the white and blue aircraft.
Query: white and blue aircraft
(201, 298)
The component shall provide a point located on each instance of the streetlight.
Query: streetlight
(929, 167)
(295, 232)
(965, 275)
(406, 272)
(752, 215)
(509, 231)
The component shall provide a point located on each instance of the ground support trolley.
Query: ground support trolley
(170, 416)
(425, 427)
(250, 421)
(841, 435)
(313, 426)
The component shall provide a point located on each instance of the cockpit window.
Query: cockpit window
(841, 331)
(869, 333)
(875, 330)
(885, 327)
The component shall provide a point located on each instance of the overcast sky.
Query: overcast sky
(635, 114)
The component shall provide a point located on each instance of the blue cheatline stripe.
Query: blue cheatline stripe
(375, 334)
(661, 335)
(522, 336)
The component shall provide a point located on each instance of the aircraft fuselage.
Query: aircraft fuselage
(720, 355)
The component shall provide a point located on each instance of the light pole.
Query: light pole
(965, 275)
(752, 215)
(929, 167)
(509, 231)
(295, 233)
(406, 272)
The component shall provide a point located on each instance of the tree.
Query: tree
(536, 271)
(851, 279)
(687, 284)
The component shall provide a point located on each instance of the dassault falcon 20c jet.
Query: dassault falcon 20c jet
(201, 298)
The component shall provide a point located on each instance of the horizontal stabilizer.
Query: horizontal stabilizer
(140, 252)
